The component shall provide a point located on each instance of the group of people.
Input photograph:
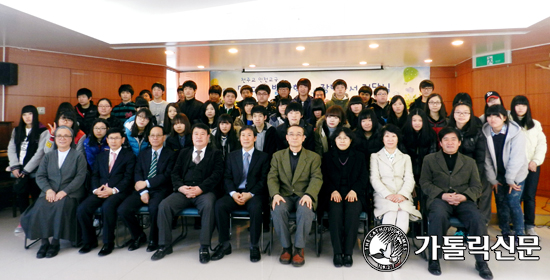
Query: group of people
(301, 156)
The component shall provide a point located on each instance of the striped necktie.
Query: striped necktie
(153, 169)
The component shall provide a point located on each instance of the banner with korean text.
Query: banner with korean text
(399, 80)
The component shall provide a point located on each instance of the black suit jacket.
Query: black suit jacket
(173, 143)
(355, 169)
(256, 179)
(165, 164)
(121, 176)
(270, 141)
(234, 113)
(210, 169)
(192, 109)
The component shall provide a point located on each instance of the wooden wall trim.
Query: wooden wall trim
(41, 58)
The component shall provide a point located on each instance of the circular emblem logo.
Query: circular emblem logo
(386, 248)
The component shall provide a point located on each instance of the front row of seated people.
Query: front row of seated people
(449, 180)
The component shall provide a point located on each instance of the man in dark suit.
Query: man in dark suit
(245, 181)
(450, 182)
(195, 177)
(294, 181)
(191, 107)
(153, 183)
(111, 183)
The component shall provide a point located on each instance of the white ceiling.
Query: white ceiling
(266, 32)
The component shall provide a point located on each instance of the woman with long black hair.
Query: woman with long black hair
(66, 118)
(180, 136)
(355, 106)
(473, 144)
(333, 119)
(419, 139)
(536, 151)
(25, 151)
(209, 114)
(397, 111)
(345, 181)
(318, 110)
(224, 136)
(171, 111)
(506, 167)
(137, 130)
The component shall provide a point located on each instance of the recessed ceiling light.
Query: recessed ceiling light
(233, 50)
(428, 60)
(200, 66)
(251, 65)
(300, 48)
(457, 43)
(363, 62)
(373, 46)
(305, 64)
(169, 52)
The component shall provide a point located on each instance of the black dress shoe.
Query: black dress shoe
(220, 252)
(484, 270)
(106, 249)
(87, 248)
(161, 252)
(255, 255)
(52, 251)
(42, 251)
(135, 244)
(153, 246)
(348, 261)
(434, 268)
(204, 255)
(337, 260)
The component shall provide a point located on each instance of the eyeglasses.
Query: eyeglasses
(462, 113)
(104, 106)
(63, 136)
(381, 94)
(100, 128)
(295, 135)
(155, 135)
(434, 103)
(114, 138)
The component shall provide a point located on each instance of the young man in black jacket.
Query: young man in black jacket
(86, 111)
(426, 88)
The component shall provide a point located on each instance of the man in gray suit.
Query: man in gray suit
(450, 182)
(294, 182)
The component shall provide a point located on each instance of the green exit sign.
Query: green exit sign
(492, 59)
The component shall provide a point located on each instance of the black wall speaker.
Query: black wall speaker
(8, 73)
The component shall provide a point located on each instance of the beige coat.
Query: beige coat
(392, 178)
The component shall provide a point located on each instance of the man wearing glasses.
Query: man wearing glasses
(152, 184)
(112, 179)
(381, 101)
(294, 181)
(426, 88)
(262, 95)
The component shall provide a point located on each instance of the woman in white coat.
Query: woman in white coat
(536, 152)
(392, 179)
